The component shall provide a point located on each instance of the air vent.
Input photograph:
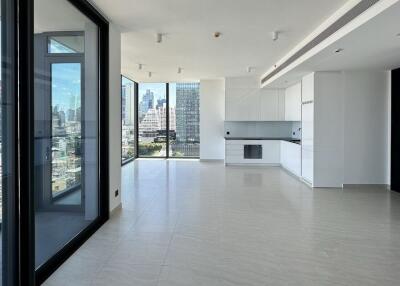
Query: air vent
(340, 23)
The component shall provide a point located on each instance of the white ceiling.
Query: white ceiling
(188, 25)
(374, 45)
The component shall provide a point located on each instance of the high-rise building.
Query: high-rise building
(146, 103)
(161, 103)
(187, 112)
(128, 104)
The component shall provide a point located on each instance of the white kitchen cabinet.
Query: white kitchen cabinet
(242, 104)
(322, 124)
(234, 152)
(293, 103)
(269, 105)
(281, 104)
(307, 128)
(291, 157)
(246, 101)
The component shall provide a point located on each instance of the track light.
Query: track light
(150, 73)
(158, 37)
(275, 35)
(249, 69)
(180, 70)
(140, 66)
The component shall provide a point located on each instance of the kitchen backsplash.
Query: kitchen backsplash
(278, 129)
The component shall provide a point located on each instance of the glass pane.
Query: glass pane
(152, 120)
(128, 119)
(66, 126)
(66, 130)
(184, 119)
(66, 44)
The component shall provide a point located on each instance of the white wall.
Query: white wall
(212, 116)
(115, 115)
(328, 129)
(366, 128)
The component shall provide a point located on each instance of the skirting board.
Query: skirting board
(252, 165)
(367, 186)
(116, 209)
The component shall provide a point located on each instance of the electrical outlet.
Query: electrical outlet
(116, 193)
(227, 133)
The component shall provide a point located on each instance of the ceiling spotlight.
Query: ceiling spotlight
(338, 50)
(159, 37)
(249, 69)
(140, 66)
(217, 34)
(275, 35)
(150, 74)
(398, 35)
(180, 70)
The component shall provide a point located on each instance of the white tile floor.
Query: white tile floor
(194, 223)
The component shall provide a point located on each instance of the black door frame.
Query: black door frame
(27, 274)
(9, 226)
(395, 137)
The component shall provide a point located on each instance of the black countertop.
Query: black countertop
(296, 141)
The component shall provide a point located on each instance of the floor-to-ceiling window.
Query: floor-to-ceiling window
(67, 126)
(184, 120)
(169, 120)
(128, 119)
(152, 116)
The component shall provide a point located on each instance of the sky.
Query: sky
(157, 88)
(66, 83)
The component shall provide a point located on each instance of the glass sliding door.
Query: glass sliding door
(66, 126)
(152, 116)
(184, 120)
(128, 118)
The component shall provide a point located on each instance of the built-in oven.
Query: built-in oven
(252, 152)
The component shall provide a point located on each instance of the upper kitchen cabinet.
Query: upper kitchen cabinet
(272, 105)
(246, 101)
(242, 104)
(293, 103)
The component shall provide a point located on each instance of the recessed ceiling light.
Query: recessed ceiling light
(140, 66)
(180, 70)
(217, 34)
(339, 50)
(150, 73)
(250, 69)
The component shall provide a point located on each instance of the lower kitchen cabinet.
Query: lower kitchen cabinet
(291, 157)
(269, 155)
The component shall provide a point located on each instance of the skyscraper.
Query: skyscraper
(187, 113)
(128, 104)
(146, 103)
